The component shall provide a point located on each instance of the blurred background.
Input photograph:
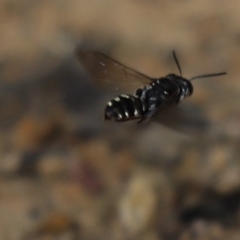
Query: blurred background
(67, 174)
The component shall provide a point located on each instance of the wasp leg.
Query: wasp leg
(141, 120)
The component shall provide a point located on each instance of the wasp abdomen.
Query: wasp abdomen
(125, 107)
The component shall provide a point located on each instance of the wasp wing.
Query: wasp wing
(109, 73)
(184, 119)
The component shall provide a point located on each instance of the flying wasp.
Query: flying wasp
(152, 95)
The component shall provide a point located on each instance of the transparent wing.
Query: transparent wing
(110, 73)
(184, 119)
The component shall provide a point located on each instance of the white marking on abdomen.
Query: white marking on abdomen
(135, 112)
(125, 96)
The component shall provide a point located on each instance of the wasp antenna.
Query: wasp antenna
(209, 75)
(176, 61)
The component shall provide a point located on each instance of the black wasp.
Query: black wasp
(152, 95)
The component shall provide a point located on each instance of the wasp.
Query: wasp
(152, 95)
